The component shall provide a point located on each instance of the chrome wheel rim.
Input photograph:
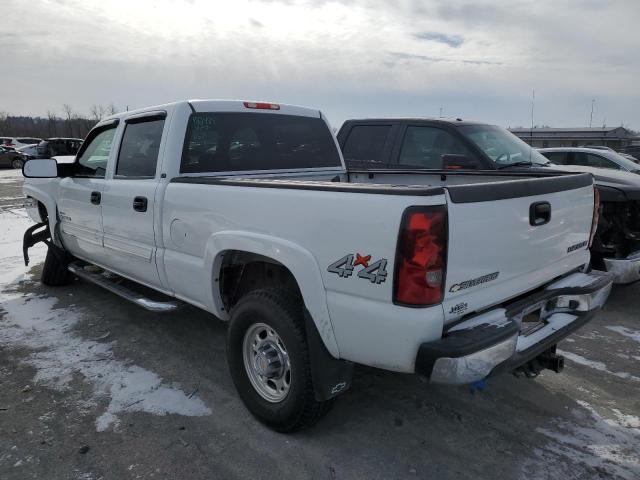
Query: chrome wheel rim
(266, 362)
(18, 163)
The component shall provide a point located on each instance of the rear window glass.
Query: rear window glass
(366, 143)
(233, 142)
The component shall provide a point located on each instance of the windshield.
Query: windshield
(624, 162)
(501, 146)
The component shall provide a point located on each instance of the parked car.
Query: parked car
(10, 158)
(589, 157)
(633, 150)
(455, 146)
(17, 142)
(52, 147)
(28, 151)
(597, 147)
(245, 210)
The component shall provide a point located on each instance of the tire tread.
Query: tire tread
(313, 410)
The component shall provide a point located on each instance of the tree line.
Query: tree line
(68, 124)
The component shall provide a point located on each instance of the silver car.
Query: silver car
(589, 157)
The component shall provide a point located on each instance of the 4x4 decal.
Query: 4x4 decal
(375, 272)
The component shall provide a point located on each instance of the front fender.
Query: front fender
(37, 192)
(299, 261)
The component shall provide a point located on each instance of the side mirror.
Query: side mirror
(44, 168)
(459, 162)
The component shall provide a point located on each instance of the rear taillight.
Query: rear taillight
(421, 257)
(596, 214)
(262, 105)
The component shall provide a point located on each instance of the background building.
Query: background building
(615, 137)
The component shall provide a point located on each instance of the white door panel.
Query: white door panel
(80, 219)
(129, 238)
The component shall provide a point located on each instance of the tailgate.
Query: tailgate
(507, 238)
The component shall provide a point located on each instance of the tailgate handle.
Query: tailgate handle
(539, 213)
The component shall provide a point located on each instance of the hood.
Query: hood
(627, 182)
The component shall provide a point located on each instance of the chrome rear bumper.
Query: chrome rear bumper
(494, 341)
(624, 270)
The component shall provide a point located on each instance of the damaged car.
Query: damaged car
(616, 245)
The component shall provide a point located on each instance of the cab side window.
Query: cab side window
(92, 160)
(139, 149)
(559, 158)
(425, 146)
(366, 143)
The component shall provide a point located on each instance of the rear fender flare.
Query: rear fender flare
(299, 261)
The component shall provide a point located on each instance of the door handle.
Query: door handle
(539, 213)
(140, 204)
(95, 198)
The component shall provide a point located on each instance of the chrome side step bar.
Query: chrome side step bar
(78, 269)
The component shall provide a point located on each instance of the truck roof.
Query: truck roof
(216, 105)
(448, 121)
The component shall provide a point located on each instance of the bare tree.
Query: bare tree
(97, 112)
(111, 109)
(70, 116)
(52, 123)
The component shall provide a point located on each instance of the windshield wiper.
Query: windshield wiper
(524, 164)
(516, 164)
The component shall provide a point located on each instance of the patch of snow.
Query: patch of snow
(629, 421)
(58, 354)
(596, 365)
(604, 444)
(627, 332)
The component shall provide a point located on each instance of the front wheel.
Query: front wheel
(17, 163)
(269, 360)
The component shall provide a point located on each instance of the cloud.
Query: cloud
(454, 41)
(404, 57)
(431, 59)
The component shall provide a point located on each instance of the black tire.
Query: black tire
(17, 163)
(54, 271)
(282, 311)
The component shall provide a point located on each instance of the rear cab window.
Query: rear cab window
(237, 142)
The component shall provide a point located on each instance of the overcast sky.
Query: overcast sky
(474, 59)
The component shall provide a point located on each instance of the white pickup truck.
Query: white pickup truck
(246, 210)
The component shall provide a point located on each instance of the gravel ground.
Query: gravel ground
(96, 388)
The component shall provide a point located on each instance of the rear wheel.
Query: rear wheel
(17, 163)
(269, 360)
(54, 271)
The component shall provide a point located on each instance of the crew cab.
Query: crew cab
(246, 210)
(403, 144)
